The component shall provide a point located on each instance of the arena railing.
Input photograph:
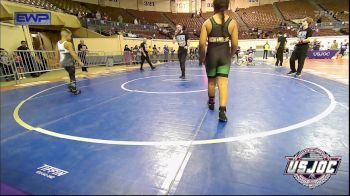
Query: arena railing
(21, 63)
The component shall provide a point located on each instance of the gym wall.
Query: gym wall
(11, 36)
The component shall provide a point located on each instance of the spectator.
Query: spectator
(127, 54)
(329, 45)
(5, 64)
(266, 49)
(196, 53)
(172, 54)
(120, 19)
(98, 15)
(316, 45)
(136, 21)
(166, 53)
(82, 50)
(343, 47)
(41, 54)
(150, 51)
(334, 46)
(27, 60)
(79, 15)
(135, 54)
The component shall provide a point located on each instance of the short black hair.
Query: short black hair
(23, 41)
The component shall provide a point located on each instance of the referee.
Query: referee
(281, 44)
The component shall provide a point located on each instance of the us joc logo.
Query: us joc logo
(312, 167)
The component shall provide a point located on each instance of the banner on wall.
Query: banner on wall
(183, 6)
(154, 5)
(321, 54)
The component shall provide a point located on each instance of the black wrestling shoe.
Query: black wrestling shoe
(153, 68)
(298, 75)
(291, 73)
(211, 106)
(222, 114)
(75, 91)
(182, 77)
(141, 69)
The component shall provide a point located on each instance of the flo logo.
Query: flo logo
(312, 167)
(50, 172)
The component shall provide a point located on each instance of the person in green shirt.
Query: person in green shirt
(266, 49)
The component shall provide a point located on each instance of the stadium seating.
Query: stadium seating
(337, 6)
(262, 17)
(296, 9)
(148, 16)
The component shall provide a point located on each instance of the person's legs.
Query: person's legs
(72, 85)
(265, 54)
(292, 60)
(277, 62)
(143, 58)
(222, 84)
(279, 57)
(301, 61)
(83, 59)
(222, 80)
(211, 92)
(182, 54)
(150, 63)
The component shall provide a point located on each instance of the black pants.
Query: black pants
(265, 54)
(83, 59)
(182, 54)
(145, 58)
(300, 54)
(342, 51)
(71, 73)
(279, 56)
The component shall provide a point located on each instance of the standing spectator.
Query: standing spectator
(196, 53)
(98, 15)
(136, 21)
(172, 54)
(155, 52)
(166, 53)
(41, 54)
(266, 49)
(120, 19)
(127, 54)
(329, 45)
(134, 54)
(334, 45)
(138, 54)
(343, 48)
(27, 59)
(191, 54)
(82, 50)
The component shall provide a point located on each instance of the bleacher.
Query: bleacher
(111, 12)
(262, 17)
(336, 6)
(149, 16)
(296, 9)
